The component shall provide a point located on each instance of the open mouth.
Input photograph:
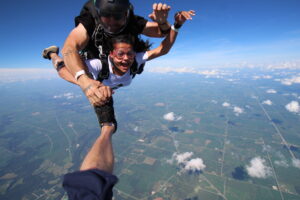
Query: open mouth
(125, 65)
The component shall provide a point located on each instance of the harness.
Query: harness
(99, 36)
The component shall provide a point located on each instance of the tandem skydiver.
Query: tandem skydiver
(98, 22)
(95, 180)
(127, 56)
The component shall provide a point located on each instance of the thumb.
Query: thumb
(151, 16)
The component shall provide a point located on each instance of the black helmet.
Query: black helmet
(117, 9)
(114, 8)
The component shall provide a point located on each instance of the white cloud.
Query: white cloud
(68, 95)
(258, 168)
(164, 70)
(285, 65)
(267, 148)
(182, 158)
(281, 163)
(291, 81)
(267, 77)
(159, 104)
(195, 165)
(293, 106)
(267, 102)
(254, 97)
(188, 164)
(172, 117)
(237, 110)
(207, 73)
(17, 75)
(271, 91)
(226, 104)
(296, 163)
(261, 77)
(214, 101)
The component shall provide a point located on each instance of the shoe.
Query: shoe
(47, 51)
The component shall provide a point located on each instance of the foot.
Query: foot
(52, 49)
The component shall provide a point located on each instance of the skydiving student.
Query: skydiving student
(95, 179)
(126, 59)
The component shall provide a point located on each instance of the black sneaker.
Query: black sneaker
(47, 51)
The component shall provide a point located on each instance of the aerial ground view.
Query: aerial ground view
(215, 114)
(222, 134)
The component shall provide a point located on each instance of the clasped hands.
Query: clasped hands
(97, 93)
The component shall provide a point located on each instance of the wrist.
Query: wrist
(174, 29)
(177, 25)
(83, 80)
(164, 27)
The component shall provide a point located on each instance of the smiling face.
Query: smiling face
(122, 57)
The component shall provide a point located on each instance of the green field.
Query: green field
(42, 137)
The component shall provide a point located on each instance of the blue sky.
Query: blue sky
(223, 33)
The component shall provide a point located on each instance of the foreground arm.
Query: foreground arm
(168, 42)
(101, 154)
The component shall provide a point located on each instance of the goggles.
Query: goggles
(121, 54)
(115, 16)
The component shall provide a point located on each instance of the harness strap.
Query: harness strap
(104, 73)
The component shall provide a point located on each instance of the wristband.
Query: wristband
(174, 29)
(177, 26)
(161, 24)
(78, 74)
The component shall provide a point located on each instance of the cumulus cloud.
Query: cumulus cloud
(261, 77)
(296, 163)
(214, 101)
(237, 110)
(293, 106)
(172, 117)
(267, 102)
(194, 165)
(164, 70)
(159, 104)
(8, 75)
(291, 81)
(258, 168)
(281, 163)
(285, 65)
(216, 73)
(271, 91)
(226, 104)
(68, 95)
(184, 160)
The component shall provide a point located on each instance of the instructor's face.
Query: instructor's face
(123, 57)
(113, 24)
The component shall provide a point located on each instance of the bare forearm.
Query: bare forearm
(72, 59)
(66, 75)
(168, 42)
(164, 46)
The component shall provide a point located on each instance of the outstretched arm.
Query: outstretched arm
(168, 42)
